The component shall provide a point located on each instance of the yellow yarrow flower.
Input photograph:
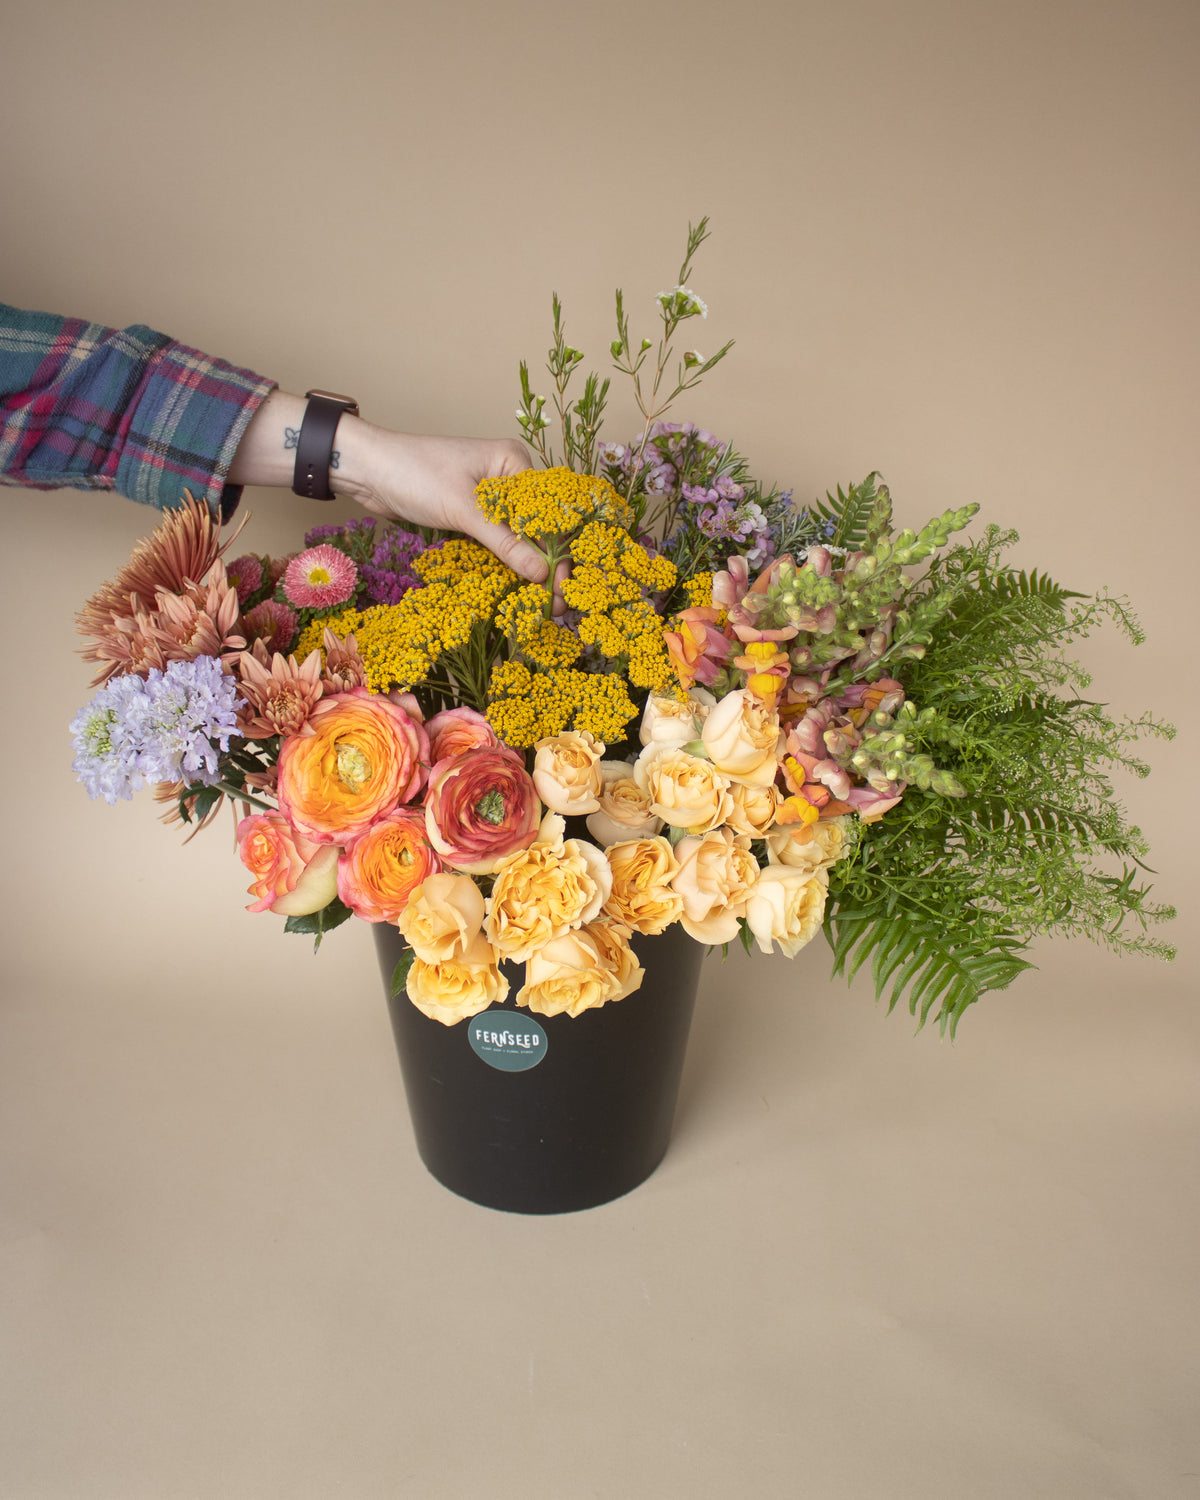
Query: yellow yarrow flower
(455, 558)
(698, 591)
(550, 502)
(526, 707)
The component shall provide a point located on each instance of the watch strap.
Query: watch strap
(314, 447)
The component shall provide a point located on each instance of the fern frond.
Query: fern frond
(940, 972)
(850, 511)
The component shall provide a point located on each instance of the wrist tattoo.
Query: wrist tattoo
(335, 460)
(291, 437)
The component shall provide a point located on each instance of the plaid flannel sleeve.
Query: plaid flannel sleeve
(88, 407)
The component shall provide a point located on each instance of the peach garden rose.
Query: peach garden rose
(743, 738)
(545, 891)
(624, 808)
(443, 921)
(579, 971)
(566, 772)
(683, 789)
(786, 908)
(716, 874)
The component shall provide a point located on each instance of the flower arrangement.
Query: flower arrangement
(754, 719)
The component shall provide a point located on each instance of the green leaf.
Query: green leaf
(317, 923)
(400, 972)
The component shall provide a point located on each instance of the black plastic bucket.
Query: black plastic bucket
(549, 1114)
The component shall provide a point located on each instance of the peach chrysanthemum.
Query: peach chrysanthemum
(320, 577)
(344, 667)
(178, 552)
(280, 694)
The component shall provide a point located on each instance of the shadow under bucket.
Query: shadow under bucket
(556, 1123)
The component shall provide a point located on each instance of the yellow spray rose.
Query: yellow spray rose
(451, 992)
(579, 971)
(642, 898)
(544, 891)
(443, 921)
(754, 808)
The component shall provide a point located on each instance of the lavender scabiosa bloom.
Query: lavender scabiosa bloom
(389, 574)
(190, 712)
(105, 739)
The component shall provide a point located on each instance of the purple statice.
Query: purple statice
(389, 574)
(338, 534)
(106, 740)
(192, 711)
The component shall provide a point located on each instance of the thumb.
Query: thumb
(510, 549)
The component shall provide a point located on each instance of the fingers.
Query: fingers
(508, 547)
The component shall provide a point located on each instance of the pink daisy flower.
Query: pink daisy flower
(271, 623)
(320, 576)
(246, 575)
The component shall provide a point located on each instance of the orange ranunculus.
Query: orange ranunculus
(358, 758)
(292, 875)
(385, 865)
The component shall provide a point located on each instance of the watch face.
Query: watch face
(348, 402)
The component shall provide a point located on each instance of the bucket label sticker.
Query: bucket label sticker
(507, 1039)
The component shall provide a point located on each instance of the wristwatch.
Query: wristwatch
(314, 448)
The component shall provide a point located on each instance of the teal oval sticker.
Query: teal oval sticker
(507, 1039)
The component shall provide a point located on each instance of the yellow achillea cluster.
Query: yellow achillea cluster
(344, 623)
(455, 559)
(401, 643)
(522, 617)
(526, 706)
(611, 576)
(698, 591)
(550, 502)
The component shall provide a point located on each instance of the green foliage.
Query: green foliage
(316, 924)
(944, 894)
(400, 972)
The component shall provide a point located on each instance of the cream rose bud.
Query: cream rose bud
(682, 789)
(812, 847)
(786, 907)
(443, 921)
(642, 898)
(754, 808)
(667, 721)
(566, 772)
(715, 876)
(743, 738)
(624, 811)
(451, 992)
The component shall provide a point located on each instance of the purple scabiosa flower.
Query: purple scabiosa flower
(191, 712)
(106, 739)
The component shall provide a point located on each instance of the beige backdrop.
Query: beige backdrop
(954, 241)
